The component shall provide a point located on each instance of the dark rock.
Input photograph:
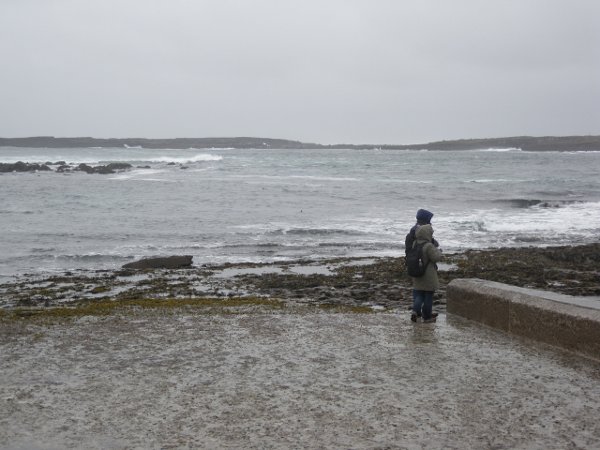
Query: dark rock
(85, 168)
(104, 170)
(169, 262)
(119, 166)
(21, 166)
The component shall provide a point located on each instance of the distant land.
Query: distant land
(526, 143)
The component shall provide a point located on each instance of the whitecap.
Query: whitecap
(507, 149)
(577, 220)
(494, 180)
(296, 177)
(186, 160)
(136, 174)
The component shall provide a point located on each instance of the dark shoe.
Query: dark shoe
(430, 320)
(434, 315)
(413, 317)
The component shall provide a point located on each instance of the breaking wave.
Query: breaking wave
(529, 203)
(187, 160)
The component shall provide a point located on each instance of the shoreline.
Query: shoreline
(375, 282)
(525, 143)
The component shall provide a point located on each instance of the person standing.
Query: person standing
(425, 285)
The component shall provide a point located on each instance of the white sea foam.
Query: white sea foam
(136, 174)
(576, 152)
(296, 177)
(500, 227)
(187, 160)
(508, 149)
(494, 180)
(142, 175)
(103, 155)
(320, 178)
(571, 218)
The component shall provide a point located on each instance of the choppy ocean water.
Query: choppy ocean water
(226, 205)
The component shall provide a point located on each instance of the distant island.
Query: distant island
(526, 143)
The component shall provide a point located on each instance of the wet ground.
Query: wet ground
(288, 378)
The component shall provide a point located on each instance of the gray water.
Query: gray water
(276, 205)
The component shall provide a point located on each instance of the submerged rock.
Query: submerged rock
(169, 262)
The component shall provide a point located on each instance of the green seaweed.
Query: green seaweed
(108, 307)
(100, 289)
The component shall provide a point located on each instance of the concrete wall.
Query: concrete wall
(569, 322)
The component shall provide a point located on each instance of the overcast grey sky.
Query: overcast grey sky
(328, 71)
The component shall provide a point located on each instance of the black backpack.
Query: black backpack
(415, 266)
(409, 240)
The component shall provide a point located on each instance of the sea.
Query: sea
(277, 205)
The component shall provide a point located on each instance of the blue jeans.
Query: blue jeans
(422, 303)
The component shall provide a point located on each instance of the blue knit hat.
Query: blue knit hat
(424, 216)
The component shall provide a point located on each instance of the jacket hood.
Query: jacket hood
(424, 233)
(424, 216)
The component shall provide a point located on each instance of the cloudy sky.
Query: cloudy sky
(328, 71)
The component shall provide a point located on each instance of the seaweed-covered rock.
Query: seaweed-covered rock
(566, 269)
(169, 262)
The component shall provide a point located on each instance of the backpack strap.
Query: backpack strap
(410, 240)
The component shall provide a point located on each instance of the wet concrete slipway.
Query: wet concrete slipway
(290, 379)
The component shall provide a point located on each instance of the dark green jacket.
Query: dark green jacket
(429, 281)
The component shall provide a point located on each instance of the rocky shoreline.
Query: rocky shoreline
(140, 358)
(377, 283)
(62, 167)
